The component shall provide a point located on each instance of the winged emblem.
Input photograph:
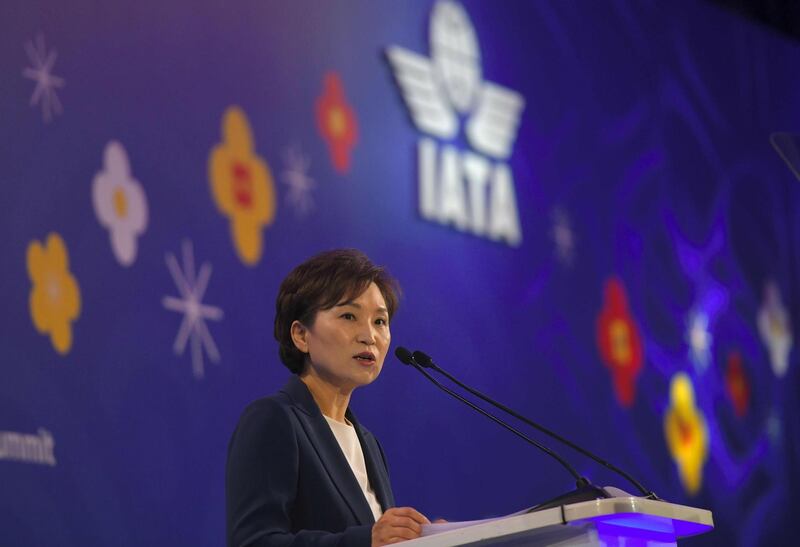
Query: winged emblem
(492, 128)
(427, 84)
(431, 113)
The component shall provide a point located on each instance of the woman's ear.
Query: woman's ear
(299, 334)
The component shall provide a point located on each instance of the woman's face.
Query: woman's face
(347, 344)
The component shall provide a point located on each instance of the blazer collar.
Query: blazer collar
(330, 453)
(300, 395)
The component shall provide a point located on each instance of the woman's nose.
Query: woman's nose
(366, 334)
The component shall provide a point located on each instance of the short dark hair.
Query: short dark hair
(320, 283)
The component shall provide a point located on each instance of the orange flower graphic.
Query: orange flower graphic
(619, 342)
(686, 433)
(736, 384)
(241, 185)
(55, 299)
(337, 122)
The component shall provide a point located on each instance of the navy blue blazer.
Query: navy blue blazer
(287, 481)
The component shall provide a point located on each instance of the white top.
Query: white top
(348, 441)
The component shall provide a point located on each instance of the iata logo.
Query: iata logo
(470, 190)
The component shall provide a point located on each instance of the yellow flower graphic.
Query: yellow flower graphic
(686, 433)
(241, 185)
(55, 299)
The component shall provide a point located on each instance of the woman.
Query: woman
(301, 469)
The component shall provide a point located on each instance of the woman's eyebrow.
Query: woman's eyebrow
(358, 306)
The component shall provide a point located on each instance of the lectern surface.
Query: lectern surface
(654, 523)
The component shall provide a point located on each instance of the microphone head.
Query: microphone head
(404, 355)
(423, 359)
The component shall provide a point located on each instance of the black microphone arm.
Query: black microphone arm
(585, 489)
(425, 360)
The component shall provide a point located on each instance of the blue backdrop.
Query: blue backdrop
(580, 200)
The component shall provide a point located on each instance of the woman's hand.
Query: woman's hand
(398, 524)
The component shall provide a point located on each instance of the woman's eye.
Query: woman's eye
(348, 316)
(381, 321)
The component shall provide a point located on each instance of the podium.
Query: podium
(611, 522)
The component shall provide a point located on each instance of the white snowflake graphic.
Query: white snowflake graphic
(301, 186)
(774, 427)
(41, 72)
(699, 339)
(195, 313)
(563, 236)
(775, 328)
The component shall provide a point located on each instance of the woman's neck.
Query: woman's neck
(331, 400)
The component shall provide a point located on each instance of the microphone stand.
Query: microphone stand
(584, 491)
(424, 360)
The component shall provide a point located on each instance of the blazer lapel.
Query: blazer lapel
(328, 450)
(376, 465)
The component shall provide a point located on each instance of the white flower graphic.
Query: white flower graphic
(775, 328)
(119, 203)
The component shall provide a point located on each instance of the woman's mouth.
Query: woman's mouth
(365, 358)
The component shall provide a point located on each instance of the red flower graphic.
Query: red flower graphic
(337, 122)
(619, 342)
(736, 384)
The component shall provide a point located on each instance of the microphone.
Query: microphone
(585, 490)
(424, 360)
